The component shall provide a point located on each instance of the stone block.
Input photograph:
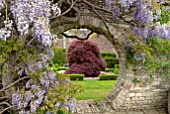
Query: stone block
(151, 111)
(141, 98)
(135, 98)
(131, 95)
(138, 94)
(135, 112)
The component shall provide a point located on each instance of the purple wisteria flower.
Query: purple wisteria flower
(16, 98)
(51, 75)
(126, 4)
(33, 107)
(28, 96)
(26, 12)
(57, 105)
(39, 100)
(116, 11)
(40, 93)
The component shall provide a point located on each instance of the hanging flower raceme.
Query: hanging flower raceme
(5, 31)
(36, 13)
(146, 14)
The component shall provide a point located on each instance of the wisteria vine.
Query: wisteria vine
(146, 12)
(31, 14)
(41, 93)
(32, 17)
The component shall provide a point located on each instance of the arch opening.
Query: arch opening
(109, 55)
(101, 29)
(125, 95)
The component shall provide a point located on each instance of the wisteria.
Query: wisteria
(31, 14)
(36, 13)
(145, 12)
(6, 31)
(125, 4)
(32, 99)
(29, 19)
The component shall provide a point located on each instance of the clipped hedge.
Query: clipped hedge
(104, 54)
(110, 61)
(109, 69)
(79, 77)
(116, 66)
(62, 68)
(114, 70)
(108, 76)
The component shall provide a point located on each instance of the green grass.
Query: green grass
(94, 89)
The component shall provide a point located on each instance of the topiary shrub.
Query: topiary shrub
(84, 57)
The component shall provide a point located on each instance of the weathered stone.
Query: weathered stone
(126, 94)
(139, 94)
(152, 111)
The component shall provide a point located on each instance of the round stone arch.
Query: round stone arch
(126, 95)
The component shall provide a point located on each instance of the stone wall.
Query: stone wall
(102, 42)
(126, 97)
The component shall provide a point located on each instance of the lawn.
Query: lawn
(94, 89)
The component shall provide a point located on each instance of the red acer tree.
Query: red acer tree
(84, 57)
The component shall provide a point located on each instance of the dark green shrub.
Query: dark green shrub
(59, 56)
(110, 61)
(62, 68)
(79, 77)
(108, 76)
(104, 54)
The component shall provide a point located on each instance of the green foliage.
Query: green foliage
(165, 15)
(55, 67)
(130, 58)
(114, 70)
(59, 56)
(136, 45)
(17, 55)
(109, 69)
(59, 93)
(104, 54)
(108, 76)
(62, 112)
(156, 57)
(116, 66)
(79, 77)
(111, 61)
(160, 64)
(14, 53)
(62, 68)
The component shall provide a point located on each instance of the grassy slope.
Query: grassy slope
(94, 89)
